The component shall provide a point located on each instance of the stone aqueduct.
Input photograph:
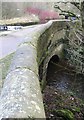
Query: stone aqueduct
(21, 95)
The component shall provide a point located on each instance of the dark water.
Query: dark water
(64, 79)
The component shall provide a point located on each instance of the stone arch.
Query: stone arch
(55, 59)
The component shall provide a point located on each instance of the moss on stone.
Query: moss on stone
(65, 113)
(4, 66)
(43, 84)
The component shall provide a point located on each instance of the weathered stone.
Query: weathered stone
(26, 58)
(21, 94)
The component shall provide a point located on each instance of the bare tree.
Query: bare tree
(74, 40)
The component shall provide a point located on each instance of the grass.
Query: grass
(4, 66)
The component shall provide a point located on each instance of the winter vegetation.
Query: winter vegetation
(61, 78)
